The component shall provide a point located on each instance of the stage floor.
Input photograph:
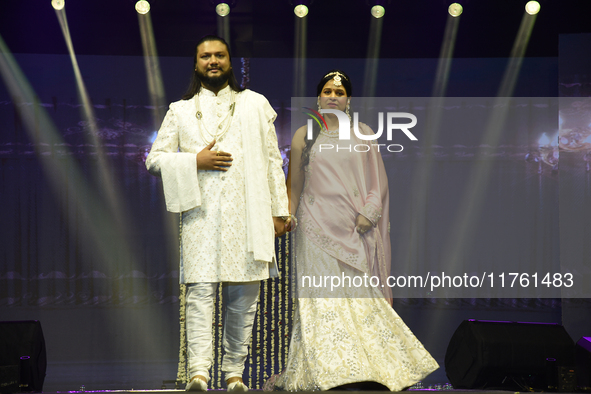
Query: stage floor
(140, 377)
(332, 391)
(150, 377)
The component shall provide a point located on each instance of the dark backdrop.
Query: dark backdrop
(101, 274)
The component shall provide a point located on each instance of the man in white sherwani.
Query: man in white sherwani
(217, 154)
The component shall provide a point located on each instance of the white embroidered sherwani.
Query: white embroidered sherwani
(227, 226)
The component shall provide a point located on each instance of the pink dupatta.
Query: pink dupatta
(338, 186)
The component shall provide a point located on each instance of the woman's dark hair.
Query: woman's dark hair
(346, 81)
(195, 85)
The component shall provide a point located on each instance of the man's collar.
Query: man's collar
(223, 92)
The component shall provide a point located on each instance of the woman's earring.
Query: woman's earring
(318, 103)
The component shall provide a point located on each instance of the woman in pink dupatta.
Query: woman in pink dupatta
(348, 334)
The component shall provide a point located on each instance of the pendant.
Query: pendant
(198, 115)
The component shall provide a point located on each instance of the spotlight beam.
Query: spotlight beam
(224, 27)
(416, 218)
(474, 195)
(64, 173)
(107, 184)
(373, 57)
(103, 173)
(300, 56)
(517, 54)
(152, 65)
(157, 100)
(103, 241)
(446, 56)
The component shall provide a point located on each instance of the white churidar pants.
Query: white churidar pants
(240, 299)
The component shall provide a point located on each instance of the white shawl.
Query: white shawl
(181, 184)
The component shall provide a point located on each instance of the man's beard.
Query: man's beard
(214, 82)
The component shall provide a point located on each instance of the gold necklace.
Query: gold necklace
(331, 134)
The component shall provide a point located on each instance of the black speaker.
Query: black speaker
(583, 360)
(22, 346)
(508, 355)
(9, 379)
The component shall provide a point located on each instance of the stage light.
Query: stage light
(532, 7)
(58, 4)
(142, 7)
(377, 11)
(300, 10)
(455, 9)
(222, 9)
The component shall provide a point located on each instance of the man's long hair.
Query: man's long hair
(195, 85)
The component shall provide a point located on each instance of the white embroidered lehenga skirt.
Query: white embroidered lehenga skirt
(338, 341)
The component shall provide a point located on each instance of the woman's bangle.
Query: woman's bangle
(294, 220)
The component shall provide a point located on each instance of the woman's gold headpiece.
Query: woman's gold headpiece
(337, 77)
